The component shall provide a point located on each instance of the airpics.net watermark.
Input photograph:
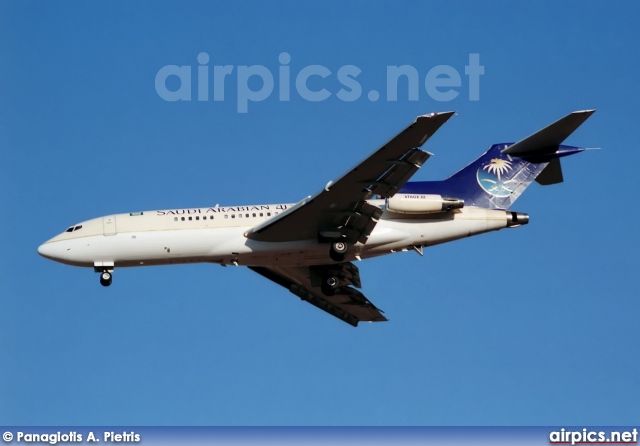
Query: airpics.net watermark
(256, 83)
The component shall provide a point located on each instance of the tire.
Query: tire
(106, 278)
(338, 251)
(330, 285)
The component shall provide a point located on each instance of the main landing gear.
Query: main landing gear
(338, 251)
(105, 278)
(330, 285)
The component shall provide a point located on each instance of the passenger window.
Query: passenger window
(268, 214)
(261, 214)
(233, 215)
(182, 218)
(239, 215)
(190, 218)
(197, 218)
(247, 215)
(226, 216)
(253, 215)
(175, 218)
(204, 217)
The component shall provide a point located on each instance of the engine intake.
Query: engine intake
(422, 203)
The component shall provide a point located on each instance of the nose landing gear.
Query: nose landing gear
(106, 278)
(105, 269)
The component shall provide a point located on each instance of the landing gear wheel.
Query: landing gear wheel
(338, 251)
(330, 285)
(105, 278)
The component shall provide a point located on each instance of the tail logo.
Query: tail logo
(490, 179)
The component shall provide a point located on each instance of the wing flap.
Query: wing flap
(399, 173)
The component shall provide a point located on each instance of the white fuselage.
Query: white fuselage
(218, 235)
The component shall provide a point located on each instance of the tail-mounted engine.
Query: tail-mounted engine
(422, 203)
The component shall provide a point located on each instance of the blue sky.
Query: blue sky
(534, 326)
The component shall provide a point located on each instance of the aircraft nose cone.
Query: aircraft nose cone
(47, 250)
(61, 251)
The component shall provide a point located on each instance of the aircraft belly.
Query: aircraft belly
(182, 246)
(220, 245)
(298, 253)
(230, 246)
(389, 234)
(471, 221)
(399, 234)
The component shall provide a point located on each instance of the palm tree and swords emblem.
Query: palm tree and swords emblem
(490, 178)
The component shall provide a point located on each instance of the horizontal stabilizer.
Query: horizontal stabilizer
(552, 174)
(549, 138)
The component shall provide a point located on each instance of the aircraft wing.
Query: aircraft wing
(347, 304)
(340, 209)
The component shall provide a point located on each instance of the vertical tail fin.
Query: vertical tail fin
(502, 173)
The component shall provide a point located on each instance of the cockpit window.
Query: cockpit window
(70, 229)
(77, 227)
(73, 228)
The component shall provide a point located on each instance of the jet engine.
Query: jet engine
(422, 203)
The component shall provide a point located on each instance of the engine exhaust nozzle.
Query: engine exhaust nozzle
(515, 219)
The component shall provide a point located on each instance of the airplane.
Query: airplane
(310, 247)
